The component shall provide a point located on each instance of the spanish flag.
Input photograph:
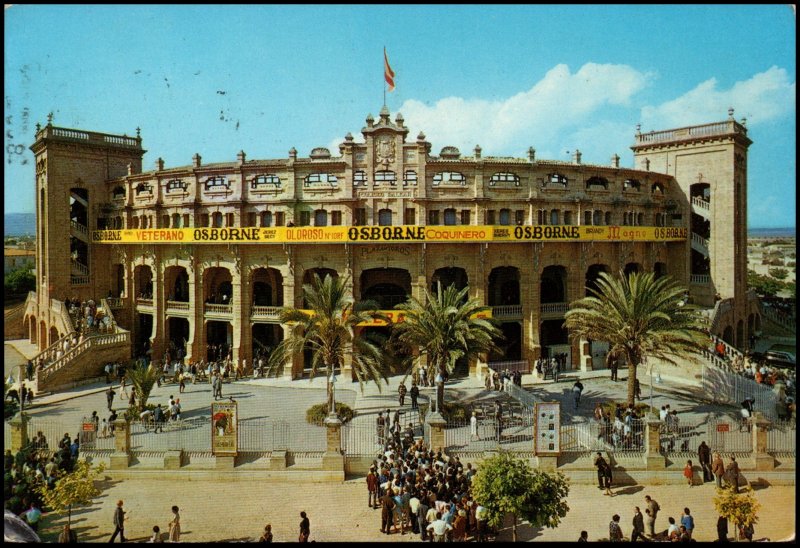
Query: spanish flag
(388, 73)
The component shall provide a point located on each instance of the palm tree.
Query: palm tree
(142, 379)
(446, 327)
(639, 315)
(328, 331)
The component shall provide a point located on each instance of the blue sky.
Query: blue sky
(217, 79)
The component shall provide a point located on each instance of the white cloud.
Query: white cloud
(766, 96)
(557, 103)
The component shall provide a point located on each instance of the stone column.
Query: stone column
(19, 432)
(436, 424)
(333, 459)
(120, 459)
(653, 458)
(763, 460)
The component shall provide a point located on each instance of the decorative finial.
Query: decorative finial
(531, 154)
(50, 118)
(138, 132)
(348, 137)
(421, 136)
(478, 150)
(730, 112)
(638, 129)
(38, 127)
(744, 122)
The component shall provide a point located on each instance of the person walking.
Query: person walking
(110, 397)
(577, 389)
(599, 463)
(654, 507)
(718, 469)
(614, 530)
(704, 455)
(614, 369)
(638, 526)
(473, 426)
(688, 473)
(122, 392)
(380, 424)
(158, 419)
(119, 523)
(722, 529)
(305, 528)
(401, 390)
(732, 471)
(175, 526)
(607, 477)
(414, 395)
(687, 521)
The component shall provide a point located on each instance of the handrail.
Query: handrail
(141, 301)
(86, 344)
(177, 305)
(706, 130)
(80, 267)
(777, 316)
(79, 227)
(114, 303)
(554, 308)
(699, 240)
(701, 203)
(507, 310)
(703, 279)
(218, 308)
(266, 311)
(523, 396)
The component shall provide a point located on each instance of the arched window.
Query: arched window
(410, 178)
(640, 219)
(217, 183)
(597, 183)
(216, 219)
(262, 182)
(557, 179)
(449, 178)
(320, 179)
(266, 218)
(631, 184)
(587, 217)
(608, 218)
(554, 217)
(505, 216)
(449, 217)
(568, 218)
(597, 218)
(320, 217)
(176, 185)
(385, 217)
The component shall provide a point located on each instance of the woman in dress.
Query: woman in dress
(122, 392)
(175, 526)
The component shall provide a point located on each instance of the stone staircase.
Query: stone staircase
(80, 361)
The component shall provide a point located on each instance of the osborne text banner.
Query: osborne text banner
(391, 234)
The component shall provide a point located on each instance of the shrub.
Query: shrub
(641, 408)
(316, 414)
(450, 410)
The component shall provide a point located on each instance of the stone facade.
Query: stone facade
(167, 292)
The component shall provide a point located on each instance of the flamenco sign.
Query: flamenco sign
(224, 428)
(392, 234)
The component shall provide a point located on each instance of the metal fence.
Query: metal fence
(263, 435)
(187, 434)
(782, 437)
(729, 435)
(522, 396)
(732, 388)
(591, 436)
(682, 436)
(523, 366)
(515, 432)
(53, 431)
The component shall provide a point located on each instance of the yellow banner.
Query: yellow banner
(392, 234)
(397, 316)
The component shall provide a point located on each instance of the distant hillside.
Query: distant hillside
(17, 224)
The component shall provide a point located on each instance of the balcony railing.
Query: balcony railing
(148, 303)
(703, 279)
(79, 227)
(707, 130)
(507, 311)
(554, 309)
(226, 309)
(173, 306)
(266, 312)
(701, 203)
(114, 304)
(79, 280)
(80, 268)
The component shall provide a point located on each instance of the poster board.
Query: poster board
(224, 428)
(547, 435)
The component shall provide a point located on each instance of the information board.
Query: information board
(548, 429)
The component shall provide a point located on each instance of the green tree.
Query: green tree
(763, 285)
(19, 281)
(508, 485)
(74, 488)
(142, 379)
(328, 331)
(778, 273)
(446, 327)
(740, 508)
(640, 316)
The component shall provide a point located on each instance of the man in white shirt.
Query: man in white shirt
(439, 528)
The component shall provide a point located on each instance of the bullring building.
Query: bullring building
(207, 254)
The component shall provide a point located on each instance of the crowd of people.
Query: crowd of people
(551, 367)
(499, 380)
(37, 464)
(424, 492)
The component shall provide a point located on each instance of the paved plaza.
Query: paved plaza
(338, 510)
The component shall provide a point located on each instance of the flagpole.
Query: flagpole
(384, 79)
